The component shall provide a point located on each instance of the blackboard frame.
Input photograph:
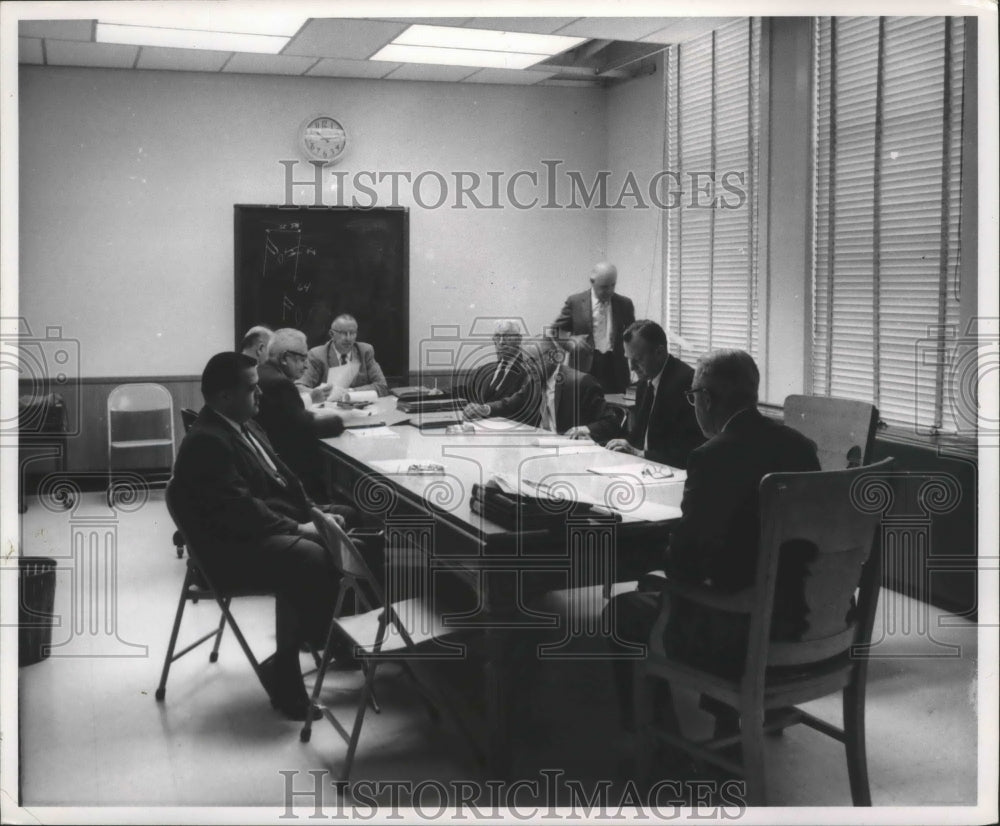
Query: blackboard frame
(282, 213)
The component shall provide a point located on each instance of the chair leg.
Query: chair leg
(161, 691)
(358, 720)
(322, 666)
(372, 698)
(854, 744)
(214, 656)
(752, 741)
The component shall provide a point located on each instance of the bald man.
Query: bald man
(596, 320)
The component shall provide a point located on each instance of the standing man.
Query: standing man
(664, 428)
(254, 343)
(597, 318)
(344, 350)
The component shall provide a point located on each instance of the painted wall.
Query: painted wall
(128, 179)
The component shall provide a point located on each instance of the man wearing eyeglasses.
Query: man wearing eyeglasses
(498, 379)
(716, 541)
(292, 428)
(344, 350)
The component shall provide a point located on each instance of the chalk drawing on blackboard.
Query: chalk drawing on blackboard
(281, 254)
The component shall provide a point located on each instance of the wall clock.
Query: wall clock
(322, 138)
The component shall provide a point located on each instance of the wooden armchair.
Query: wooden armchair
(832, 516)
(843, 429)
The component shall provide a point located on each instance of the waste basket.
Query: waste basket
(36, 597)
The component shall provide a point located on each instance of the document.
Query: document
(408, 467)
(378, 432)
(646, 471)
(362, 395)
(341, 375)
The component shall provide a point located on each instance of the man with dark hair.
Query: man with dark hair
(249, 517)
(293, 429)
(254, 343)
(554, 397)
(344, 350)
(595, 320)
(664, 428)
(715, 542)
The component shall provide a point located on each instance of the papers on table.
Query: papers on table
(362, 395)
(341, 375)
(408, 467)
(377, 432)
(647, 472)
(567, 445)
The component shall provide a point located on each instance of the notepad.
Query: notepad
(378, 432)
(408, 467)
(646, 471)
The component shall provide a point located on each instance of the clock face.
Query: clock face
(323, 138)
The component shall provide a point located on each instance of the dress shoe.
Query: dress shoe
(287, 693)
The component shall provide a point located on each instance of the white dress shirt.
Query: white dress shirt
(549, 411)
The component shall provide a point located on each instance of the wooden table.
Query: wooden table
(434, 515)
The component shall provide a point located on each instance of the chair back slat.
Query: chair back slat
(822, 527)
(843, 429)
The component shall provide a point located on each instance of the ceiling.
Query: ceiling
(340, 47)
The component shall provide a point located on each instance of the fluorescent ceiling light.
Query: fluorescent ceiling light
(189, 39)
(457, 57)
(489, 40)
(206, 16)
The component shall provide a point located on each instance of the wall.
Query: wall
(128, 179)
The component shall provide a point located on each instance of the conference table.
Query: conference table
(418, 482)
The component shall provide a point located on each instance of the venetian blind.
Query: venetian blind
(887, 186)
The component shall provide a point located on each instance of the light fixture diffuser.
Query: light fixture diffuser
(454, 37)
(457, 57)
(189, 39)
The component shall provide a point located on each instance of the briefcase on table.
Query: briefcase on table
(514, 511)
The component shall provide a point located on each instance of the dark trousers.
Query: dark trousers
(603, 369)
(633, 615)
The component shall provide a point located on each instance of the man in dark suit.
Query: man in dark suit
(498, 379)
(596, 319)
(250, 516)
(291, 427)
(344, 350)
(664, 428)
(716, 540)
(254, 343)
(555, 397)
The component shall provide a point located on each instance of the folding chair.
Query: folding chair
(188, 418)
(832, 517)
(385, 632)
(197, 585)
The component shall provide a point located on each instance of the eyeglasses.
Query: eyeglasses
(690, 394)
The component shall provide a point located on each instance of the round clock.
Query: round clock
(322, 138)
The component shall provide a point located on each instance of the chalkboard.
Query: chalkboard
(303, 266)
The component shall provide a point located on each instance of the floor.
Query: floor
(91, 733)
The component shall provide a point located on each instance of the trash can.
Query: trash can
(36, 597)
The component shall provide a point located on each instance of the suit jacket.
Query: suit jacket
(292, 429)
(480, 389)
(369, 377)
(234, 497)
(717, 538)
(579, 401)
(673, 427)
(576, 319)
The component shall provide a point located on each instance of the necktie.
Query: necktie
(261, 453)
(500, 375)
(343, 358)
(642, 415)
(548, 422)
(601, 343)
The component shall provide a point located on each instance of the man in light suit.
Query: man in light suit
(554, 397)
(344, 349)
(596, 319)
(498, 379)
(249, 516)
(716, 541)
(664, 428)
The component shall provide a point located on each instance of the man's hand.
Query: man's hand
(320, 393)
(336, 519)
(623, 446)
(337, 394)
(581, 432)
(476, 411)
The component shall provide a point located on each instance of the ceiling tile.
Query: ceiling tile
(534, 25)
(268, 64)
(105, 55)
(335, 67)
(338, 37)
(427, 21)
(429, 71)
(685, 28)
(508, 76)
(615, 28)
(59, 29)
(181, 60)
(29, 50)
